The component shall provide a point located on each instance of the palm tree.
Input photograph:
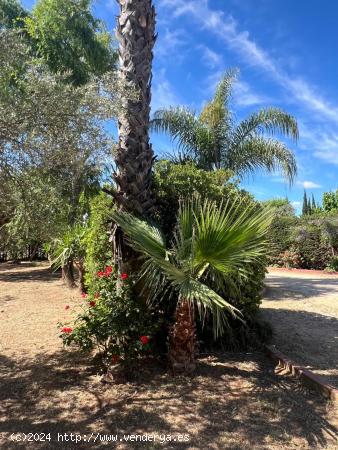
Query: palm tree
(214, 140)
(210, 243)
(134, 157)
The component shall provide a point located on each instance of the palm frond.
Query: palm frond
(230, 237)
(265, 154)
(270, 121)
(185, 129)
(207, 300)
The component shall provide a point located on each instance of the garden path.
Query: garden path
(303, 310)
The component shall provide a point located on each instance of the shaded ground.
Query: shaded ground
(303, 310)
(234, 402)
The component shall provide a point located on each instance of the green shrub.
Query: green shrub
(173, 182)
(98, 247)
(333, 264)
(314, 251)
(113, 320)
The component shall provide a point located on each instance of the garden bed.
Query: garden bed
(235, 401)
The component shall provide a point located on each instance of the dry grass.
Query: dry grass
(303, 310)
(235, 401)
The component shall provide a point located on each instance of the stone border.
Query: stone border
(286, 366)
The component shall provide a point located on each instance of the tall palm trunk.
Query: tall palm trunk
(134, 158)
(182, 339)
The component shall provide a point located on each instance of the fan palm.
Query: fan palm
(214, 140)
(210, 243)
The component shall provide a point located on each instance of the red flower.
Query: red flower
(83, 295)
(67, 306)
(92, 303)
(96, 295)
(115, 359)
(144, 340)
(100, 274)
(67, 330)
(109, 270)
(124, 276)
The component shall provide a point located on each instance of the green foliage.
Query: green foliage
(12, 14)
(330, 201)
(281, 206)
(69, 246)
(314, 252)
(211, 245)
(281, 231)
(96, 240)
(305, 207)
(65, 35)
(307, 242)
(213, 139)
(112, 320)
(33, 211)
(173, 182)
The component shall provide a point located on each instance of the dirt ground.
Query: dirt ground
(303, 310)
(235, 401)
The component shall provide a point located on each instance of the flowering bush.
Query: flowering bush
(111, 320)
(290, 259)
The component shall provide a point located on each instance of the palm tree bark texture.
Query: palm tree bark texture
(182, 339)
(134, 157)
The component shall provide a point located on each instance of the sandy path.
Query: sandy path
(303, 310)
(234, 402)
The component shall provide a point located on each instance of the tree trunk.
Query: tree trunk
(134, 158)
(33, 251)
(81, 270)
(68, 275)
(182, 339)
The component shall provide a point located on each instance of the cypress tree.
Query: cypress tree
(313, 206)
(305, 208)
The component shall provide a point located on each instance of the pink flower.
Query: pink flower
(67, 307)
(100, 274)
(109, 270)
(67, 330)
(83, 295)
(124, 276)
(144, 340)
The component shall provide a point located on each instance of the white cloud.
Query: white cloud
(169, 42)
(211, 58)
(226, 29)
(163, 94)
(296, 204)
(308, 184)
(244, 96)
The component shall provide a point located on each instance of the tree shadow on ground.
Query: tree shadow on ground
(309, 338)
(37, 274)
(233, 402)
(290, 288)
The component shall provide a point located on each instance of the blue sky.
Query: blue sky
(285, 50)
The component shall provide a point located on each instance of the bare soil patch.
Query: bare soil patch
(303, 310)
(235, 401)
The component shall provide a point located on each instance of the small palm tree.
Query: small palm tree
(210, 243)
(213, 139)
